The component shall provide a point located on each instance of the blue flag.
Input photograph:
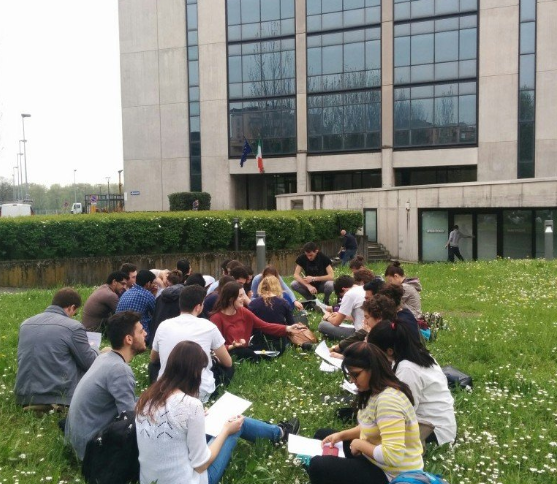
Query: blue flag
(245, 152)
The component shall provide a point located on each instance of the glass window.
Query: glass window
(527, 77)
(527, 38)
(487, 236)
(517, 234)
(435, 225)
(257, 19)
(341, 14)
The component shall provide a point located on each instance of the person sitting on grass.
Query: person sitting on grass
(394, 274)
(108, 387)
(414, 365)
(351, 307)
(363, 276)
(287, 293)
(236, 323)
(313, 274)
(211, 299)
(356, 263)
(403, 314)
(378, 309)
(271, 308)
(170, 423)
(386, 440)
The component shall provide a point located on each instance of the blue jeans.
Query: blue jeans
(251, 430)
(348, 255)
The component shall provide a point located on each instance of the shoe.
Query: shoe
(291, 426)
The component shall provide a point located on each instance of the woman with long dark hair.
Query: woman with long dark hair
(386, 440)
(170, 420)
(236, 323)
(414, 365)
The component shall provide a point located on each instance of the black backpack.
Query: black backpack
(111, 457)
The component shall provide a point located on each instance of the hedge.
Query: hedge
(51, 237)
(184, 201)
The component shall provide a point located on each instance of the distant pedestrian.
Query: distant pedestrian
(349, 247)
(454, 240)
(195, 205)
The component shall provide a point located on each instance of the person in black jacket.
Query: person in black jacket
(167, 305)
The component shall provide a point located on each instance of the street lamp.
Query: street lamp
(16, 192)
(74, 187)
(23, 116)
(108, 192)
(120, 182)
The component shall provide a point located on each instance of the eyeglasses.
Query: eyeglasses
(352, 375)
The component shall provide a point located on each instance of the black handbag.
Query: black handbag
(112, 456)
(456, 378)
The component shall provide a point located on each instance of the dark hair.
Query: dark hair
(175, 277)
(394, 292)
(357, 262)
(370, 357)
(117, 276)
(375, 285)
(232, 264)
(455, 227)
(128, 267)
(363, 275)
(380, 307)
(270, 271)
(184, 266)
(394, 269)
(341, 282)
(195, 279)
(310, 247)
(182, 372)
(239, 272)
(119, 326)
(144, 277)
(222, 281)
(224, 264)
(66, 297)
(190, 297)
(227, 295)
(406, 345)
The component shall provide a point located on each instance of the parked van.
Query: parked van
(76, 208)
(15, 210)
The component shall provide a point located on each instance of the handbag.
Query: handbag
(303, 336)
(457, 378)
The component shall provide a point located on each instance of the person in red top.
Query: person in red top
(236, 323)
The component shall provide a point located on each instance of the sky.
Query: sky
(60, 62)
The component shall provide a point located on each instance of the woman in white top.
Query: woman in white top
(414, 365)
(170, 419)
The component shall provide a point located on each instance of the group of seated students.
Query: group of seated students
(195, 326)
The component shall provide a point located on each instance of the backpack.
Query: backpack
(112, 456)
(418, 477)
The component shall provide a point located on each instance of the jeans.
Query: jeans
(454, 251)
(324, 287)
(251, 430)
(335, 332)
(348, 255)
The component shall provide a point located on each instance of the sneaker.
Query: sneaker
(291, 426)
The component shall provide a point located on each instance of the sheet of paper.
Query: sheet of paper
(350, 387)
(225, 407)
(268, 353)
(327, 368)
(304, 446)
(323, 351)
(94, 339)
(346, 325)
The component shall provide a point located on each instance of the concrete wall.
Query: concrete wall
(397, 227)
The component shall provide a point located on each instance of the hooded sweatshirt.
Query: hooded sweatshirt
(166, 307)
(411, 297)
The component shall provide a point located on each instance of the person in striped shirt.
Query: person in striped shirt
(386, 440)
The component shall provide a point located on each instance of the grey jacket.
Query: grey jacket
(53, 353)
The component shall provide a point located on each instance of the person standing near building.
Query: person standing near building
(349, 247)
(454, 240)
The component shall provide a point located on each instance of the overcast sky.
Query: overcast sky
(60, 62)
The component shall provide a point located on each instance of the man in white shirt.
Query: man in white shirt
(453, 243)
(188, 327)
(353, 297)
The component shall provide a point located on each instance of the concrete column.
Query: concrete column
(387, 174)
(301, 99)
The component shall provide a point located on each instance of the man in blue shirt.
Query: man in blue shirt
(140, 298)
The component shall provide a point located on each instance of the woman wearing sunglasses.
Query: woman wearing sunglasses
(386, 440)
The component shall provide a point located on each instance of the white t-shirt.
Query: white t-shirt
(187, 327)
(433, 401)
(351, 305)
(173, 443)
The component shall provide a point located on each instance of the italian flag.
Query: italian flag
(260, 157)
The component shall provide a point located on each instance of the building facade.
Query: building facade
(423, 113)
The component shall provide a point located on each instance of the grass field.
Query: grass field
(502, 318)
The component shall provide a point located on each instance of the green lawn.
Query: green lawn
(502, 318)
